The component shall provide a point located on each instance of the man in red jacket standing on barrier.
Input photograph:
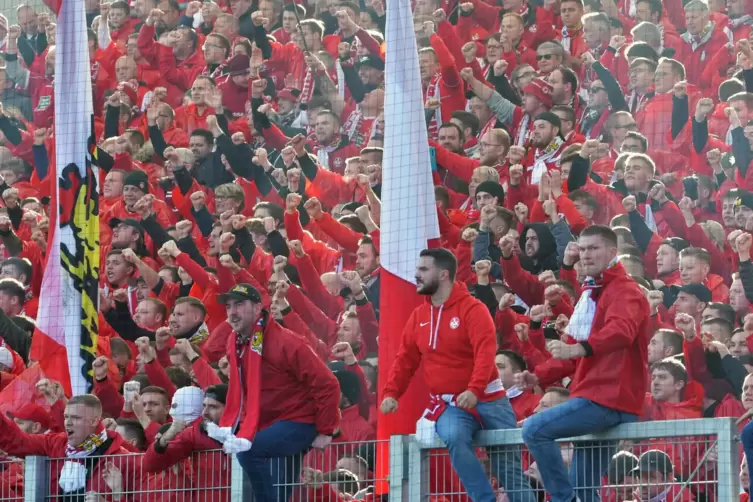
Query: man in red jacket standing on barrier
(606, 354)
(282, 398)
(454, 335)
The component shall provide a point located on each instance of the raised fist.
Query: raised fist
(507, 244)
(314, 208)
(629, 203)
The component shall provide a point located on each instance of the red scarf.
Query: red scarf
(432, 91)
(247, 398)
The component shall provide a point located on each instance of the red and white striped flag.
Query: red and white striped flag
(409, 213)
(65, 340)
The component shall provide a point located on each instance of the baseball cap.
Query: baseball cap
(33, 413)
(745, 199)
(698, 290)
(541, 90)
(372, 61)
(654, 461)
(131, 222)
(240, 291)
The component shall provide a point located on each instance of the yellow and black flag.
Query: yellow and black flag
(65, 341)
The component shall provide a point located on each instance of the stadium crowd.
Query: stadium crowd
(240, 150)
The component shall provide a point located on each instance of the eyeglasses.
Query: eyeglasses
(484, 144)
(595, 88)
(493, 46)
(539, 57)
(212, 46)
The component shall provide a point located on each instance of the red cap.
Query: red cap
(34, 413)
(540, 89)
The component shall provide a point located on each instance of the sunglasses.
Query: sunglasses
(539, 57)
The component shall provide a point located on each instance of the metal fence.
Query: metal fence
(705, 453)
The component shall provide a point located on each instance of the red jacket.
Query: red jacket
(210, 467)
(19, 444)
(458, 356)
(295, 385)
(617, 345)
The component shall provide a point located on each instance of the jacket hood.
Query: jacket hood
(546, 256)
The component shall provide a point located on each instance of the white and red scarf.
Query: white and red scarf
(73, 473)
(543, 157)
(488, 127)
(567, 37)
(438, 403)
(357, 127)
(579, 327)
(432, 91)
(522, 133)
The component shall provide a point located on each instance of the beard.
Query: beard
(427, 288)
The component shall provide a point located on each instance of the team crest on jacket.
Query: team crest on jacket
(256, 342)
(454, 323)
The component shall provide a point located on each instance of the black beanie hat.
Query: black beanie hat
(137, 178)
(494, 189)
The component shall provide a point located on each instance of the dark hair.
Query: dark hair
(518, 363)
(441, 194)
(121, 4)
(602, 231)
(275, 211)
(443, 259)
(314, 25)
(13, 287)
(726, 311)
(560, 391)
(672, 339)
(568, 75)
(353, 222)
(469, 120)
(292, 7)
(367, 240)
(179, 377)
(22, 265)
(119, 346)
(724, 324)
(223, 42)
(173, 272)
(450, 125)
(133, 430)
(655, 6)
(639, 137)
(585, 198)
(672, 366)
(208, 136)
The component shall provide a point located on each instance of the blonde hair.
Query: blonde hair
(714, 231)
(489, 173)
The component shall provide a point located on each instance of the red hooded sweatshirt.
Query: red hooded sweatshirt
(458, 355)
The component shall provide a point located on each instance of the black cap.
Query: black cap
(698, 290)
(137, 178)
(654, 461)
(372, 61)
(241, 291)
(550, 117)
(676, 243)
(131, 222)
(218, 392)
(492, 188)
(745, 199)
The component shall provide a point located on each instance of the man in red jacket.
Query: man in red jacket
(285, 401)
(75, 470)
(466, 393)
(607, 339)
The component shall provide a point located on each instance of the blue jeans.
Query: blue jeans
(591, 459)
(746, 438)
(456, 428)
(275, 458)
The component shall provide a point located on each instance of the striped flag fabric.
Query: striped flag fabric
(408, 216)
(65, 339)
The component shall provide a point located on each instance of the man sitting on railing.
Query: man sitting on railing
(607, 340)
(77, 465)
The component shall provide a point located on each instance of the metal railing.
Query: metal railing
(706, 453)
